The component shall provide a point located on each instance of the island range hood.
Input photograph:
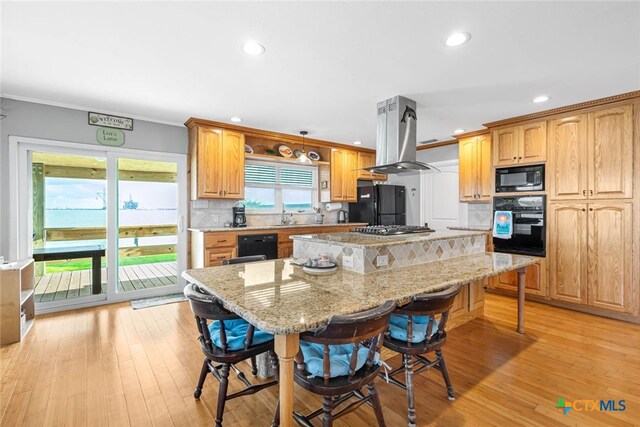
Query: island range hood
(396, 138)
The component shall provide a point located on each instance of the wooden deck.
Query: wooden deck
(73, 284)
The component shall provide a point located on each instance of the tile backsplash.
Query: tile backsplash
(479, 215)
(204, 213)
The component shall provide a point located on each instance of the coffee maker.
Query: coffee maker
(239, 217)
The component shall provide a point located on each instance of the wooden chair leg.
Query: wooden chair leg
(377, 407)
(203, 376)
(445, 374)
(254, 366)
(327, 408)
(274, 365)
(408, 371)
(222, 392)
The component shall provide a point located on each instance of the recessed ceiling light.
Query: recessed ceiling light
(456, 39)
(236, 119)
(252, 47)
(541, 98)
(458, 131)
(357, 142)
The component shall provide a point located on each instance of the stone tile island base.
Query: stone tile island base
(368, 254)
(368, 258)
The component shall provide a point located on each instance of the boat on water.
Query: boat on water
(130, 204)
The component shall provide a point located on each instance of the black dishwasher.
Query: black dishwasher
(258, 244)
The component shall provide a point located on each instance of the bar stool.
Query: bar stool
(226, 341)
(414, 332)
(338, 360)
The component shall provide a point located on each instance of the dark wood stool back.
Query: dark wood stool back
(413, 354)
(367, 329)
(207, 308)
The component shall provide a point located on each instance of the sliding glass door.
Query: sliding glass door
(101, 224)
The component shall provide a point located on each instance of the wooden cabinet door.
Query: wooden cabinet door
(460, 303)
(337, 175)
(233, 165)
(610, 149)
(209, 163)
(214, 257)
(505, 146)
(535, 280)
(350, 180)
(468, 169)
(365, 160)
(484, 178)
(567, 252)
(567, 167)
(285, 250)
(533, 143)
(610, 249)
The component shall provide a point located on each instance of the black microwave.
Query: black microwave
(521, 178)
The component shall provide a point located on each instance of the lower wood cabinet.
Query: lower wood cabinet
(590, 254)
(535, 280)
(214, 257)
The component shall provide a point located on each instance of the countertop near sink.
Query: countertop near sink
(276, 227)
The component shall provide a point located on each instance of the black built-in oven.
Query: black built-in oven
(529, 225)
(520, 178)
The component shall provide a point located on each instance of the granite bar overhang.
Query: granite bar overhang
(364, 253)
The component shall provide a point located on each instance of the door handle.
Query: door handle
(181, 223)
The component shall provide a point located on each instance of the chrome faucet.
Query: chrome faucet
(283, 218)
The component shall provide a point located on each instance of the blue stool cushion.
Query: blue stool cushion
(339, 356)
(236, 331)
(398, 327)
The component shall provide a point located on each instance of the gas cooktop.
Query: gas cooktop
(393, 230)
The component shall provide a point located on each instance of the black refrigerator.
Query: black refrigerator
(379, 205)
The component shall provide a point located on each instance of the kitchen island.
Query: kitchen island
(280, 298)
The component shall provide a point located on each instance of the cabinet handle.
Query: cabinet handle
(583, 209)
(591, 209)
(514, 157)
(519, 158)
(591, 192)
(584, 192)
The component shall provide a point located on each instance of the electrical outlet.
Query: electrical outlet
(382, 260)
(215, 218)
(347, 261)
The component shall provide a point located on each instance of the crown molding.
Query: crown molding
(566, 109)
(472, 133)
(436, 144)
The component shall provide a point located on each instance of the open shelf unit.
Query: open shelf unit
(16, 294)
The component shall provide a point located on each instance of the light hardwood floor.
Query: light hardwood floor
(111, 365)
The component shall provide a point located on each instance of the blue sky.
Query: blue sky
(67, 193)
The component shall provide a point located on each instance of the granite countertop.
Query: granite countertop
(361, 240)
(280, 298)
(275, 227)
(486, 228)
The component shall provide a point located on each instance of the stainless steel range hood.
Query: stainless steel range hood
(396, 138)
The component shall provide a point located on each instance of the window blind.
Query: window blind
(296, 177)
(259, 174)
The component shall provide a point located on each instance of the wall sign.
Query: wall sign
(111, 137)
(104, 120)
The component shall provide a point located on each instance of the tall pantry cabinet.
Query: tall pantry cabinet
(590, 220)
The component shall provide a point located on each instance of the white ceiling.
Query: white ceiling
(326, 65)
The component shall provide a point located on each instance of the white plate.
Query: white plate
(313, 155)
(285, 151)
(319, 271)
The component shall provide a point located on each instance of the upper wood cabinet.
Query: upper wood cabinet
(366, 160)
(344, 175)
(567, 167)
(520, 145)
(610, 153)
(591, 155)
(217, 163)
(475, 169)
